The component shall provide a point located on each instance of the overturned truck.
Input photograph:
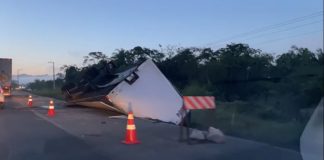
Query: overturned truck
(143, 87)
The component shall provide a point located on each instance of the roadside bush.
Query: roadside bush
(195, 89)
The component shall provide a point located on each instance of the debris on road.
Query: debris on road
(215, 135)
(197, 134)
(118, 117)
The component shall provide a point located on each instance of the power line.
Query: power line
(292, 36)
(295, 20)
(270, 27)
(287, 29)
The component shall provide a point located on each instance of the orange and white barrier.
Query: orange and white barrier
(193, 103)
(30, 101)
(198, 102)
(51, 111)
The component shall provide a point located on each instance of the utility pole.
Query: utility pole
(18, 77)
(53, 73)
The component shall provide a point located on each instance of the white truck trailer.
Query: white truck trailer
(144, 88)
(5, 75)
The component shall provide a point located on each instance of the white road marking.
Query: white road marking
(50, 121)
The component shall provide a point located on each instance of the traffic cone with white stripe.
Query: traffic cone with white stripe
(30, 101)
(130, 137)
(51, 112)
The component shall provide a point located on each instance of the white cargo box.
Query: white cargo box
(149, 93)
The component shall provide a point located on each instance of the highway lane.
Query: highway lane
(25, 136)
(85, 133)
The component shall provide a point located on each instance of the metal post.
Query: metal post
(188, 121)
(233, 118)
(53, 73)
(18, 77)
(182, 127)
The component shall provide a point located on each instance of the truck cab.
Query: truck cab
(6, 75)
(6, 90)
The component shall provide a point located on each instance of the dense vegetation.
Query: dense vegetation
(256, 85)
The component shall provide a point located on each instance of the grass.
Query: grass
(283, 134)
(54, 93)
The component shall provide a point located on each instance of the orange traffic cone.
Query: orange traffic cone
(51, 112)
(131, 130)
(30, 101)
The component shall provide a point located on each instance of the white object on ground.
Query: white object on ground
(215, 135)
(197, 134)
(118, 117)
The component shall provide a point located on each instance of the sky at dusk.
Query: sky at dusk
(33, 32)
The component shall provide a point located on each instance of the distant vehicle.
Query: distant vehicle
(2, 99)
(5, 75)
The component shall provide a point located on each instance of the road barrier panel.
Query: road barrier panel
(193, 103)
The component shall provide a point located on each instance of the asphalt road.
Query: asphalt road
(25, 136)
(92, 134)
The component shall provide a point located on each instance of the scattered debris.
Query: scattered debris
(103, 122)
(197, 134)
(118, 117)
(215, 135)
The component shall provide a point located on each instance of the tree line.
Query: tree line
(275, 86)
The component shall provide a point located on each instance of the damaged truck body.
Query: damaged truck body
(142, 87)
